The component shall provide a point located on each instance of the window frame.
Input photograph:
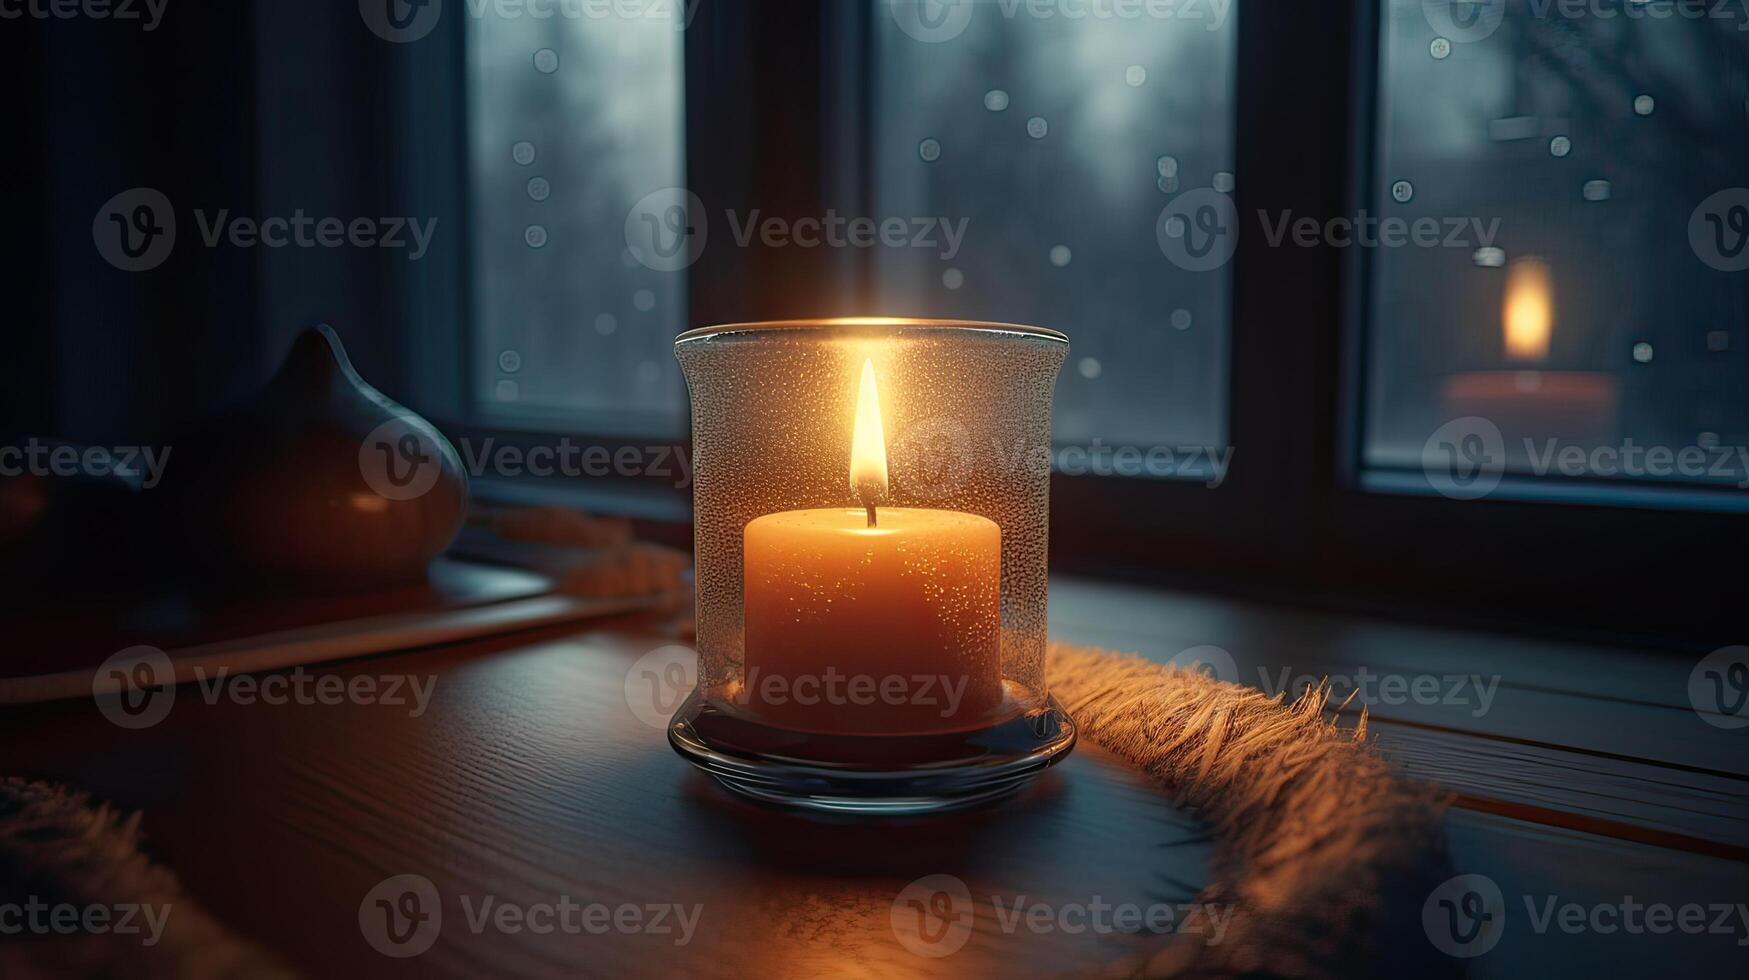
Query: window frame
(776, 113)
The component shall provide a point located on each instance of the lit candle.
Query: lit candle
(873, 619)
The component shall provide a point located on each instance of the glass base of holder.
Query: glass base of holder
(871, 774)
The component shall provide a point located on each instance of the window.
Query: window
(1582, 317)
(1058, 134)
(572, 121)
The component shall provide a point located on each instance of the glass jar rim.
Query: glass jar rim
(875, 322)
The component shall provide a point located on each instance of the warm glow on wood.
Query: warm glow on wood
(1530, 310)
(868, 445)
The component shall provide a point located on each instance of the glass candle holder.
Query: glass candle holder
(871, 504)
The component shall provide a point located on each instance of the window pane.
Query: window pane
(573, 121)
(1583, 313)
(1060, 141)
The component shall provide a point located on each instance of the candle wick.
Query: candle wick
(871, 513)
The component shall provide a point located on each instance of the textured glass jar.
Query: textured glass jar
(897, 668)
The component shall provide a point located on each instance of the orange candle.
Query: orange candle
(877, 620)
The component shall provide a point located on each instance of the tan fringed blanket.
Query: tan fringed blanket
(1323, 853)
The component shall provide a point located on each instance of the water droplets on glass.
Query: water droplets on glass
(1060, 255)
(1643, 352)
(1402, 192)
(1180, 319)
(1596, 190)
(1439, 48)
(1167, 185)
(952, 278)
(995, 100)
(929, 150)
(522, 151)
(539, 188)
(509, 361)
(606, 323)
(1167, 166)
(1037, 128)
(1089, 367)
(1644, 104)
(546, 61)
(1135, 76)
(1223, 182)
(644, 300)
(1489, 257)
(1560, 146)
(535, 236)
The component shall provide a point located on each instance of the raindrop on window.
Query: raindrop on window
(929, 150)
(1167, 185)
(546, 61)
(953, 278)
(1402, 191)
(606, 323)
(509, 361)
(1489, 257)
(1167, 166)
(1439, 48)
(539, 188)
(535, 236)
(1175, 226)
(1560, 146)
(1036, 127)
(522, 151)
(995, 100)
(1596, 190)
(1060, 255)
(1089, 367)
(1135, 76)
(1180, 319)
(1223, 182)
(1644, 104)
(644, 300)
(1643, 352)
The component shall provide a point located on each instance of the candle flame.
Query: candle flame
(1530, 310)
(868, 444)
